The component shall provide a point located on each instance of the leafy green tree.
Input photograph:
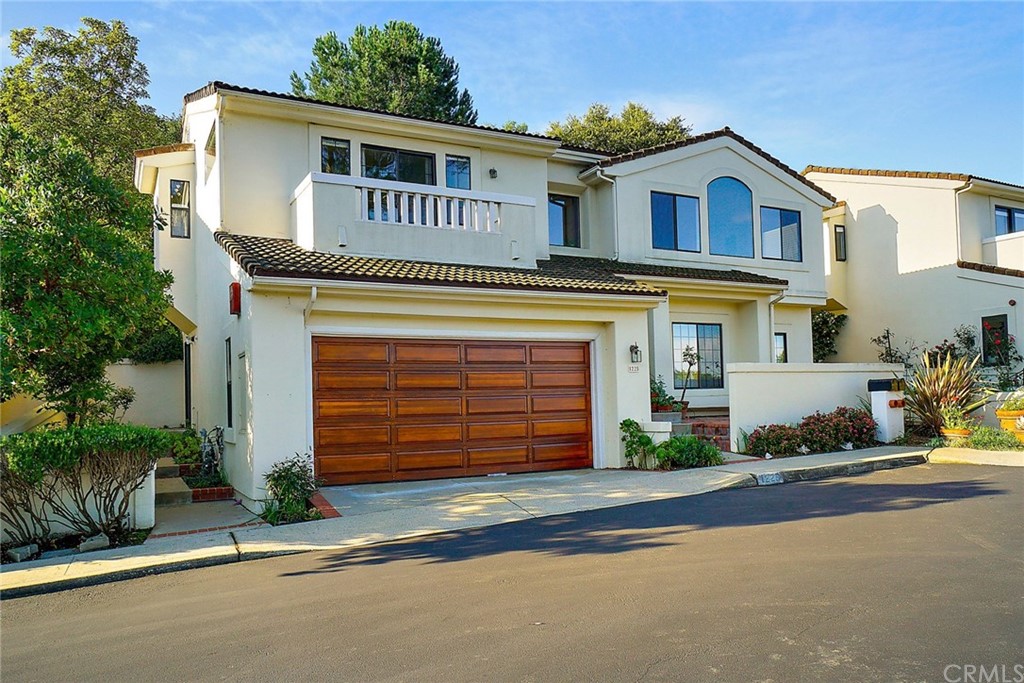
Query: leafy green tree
(76, 273)
(87, 87)
(395, 69)
(635, 127)
(514, 126)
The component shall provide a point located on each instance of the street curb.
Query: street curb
(115, 576)
(749, 481)
(846, 469)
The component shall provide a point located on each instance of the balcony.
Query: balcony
(1005, 251)
(370, 217)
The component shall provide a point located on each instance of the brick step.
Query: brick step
(172, 491)
(166, 468)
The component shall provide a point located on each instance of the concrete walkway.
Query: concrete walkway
(387, 512)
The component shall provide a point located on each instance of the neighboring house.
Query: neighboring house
(921, 254)
(409, 299)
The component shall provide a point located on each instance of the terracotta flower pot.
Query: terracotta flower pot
(1008, 418)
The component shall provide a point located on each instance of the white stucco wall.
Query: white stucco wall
(159, 392)
(785, 393)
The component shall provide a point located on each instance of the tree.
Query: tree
(76, 273)
(514, 126)
(634, 128)
(395, 69)
(86, 87)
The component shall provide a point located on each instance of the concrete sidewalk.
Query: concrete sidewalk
(387, 512)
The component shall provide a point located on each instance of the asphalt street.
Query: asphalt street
(901, 575)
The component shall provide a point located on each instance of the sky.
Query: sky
(933, 86)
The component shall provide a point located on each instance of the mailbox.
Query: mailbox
(887, 405)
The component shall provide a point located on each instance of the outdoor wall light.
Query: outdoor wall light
(634, 353)
(493, 173)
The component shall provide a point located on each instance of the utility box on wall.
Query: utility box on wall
(887, 403)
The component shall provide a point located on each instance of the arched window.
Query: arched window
(730, 218)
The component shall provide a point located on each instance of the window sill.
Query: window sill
(1003, 238)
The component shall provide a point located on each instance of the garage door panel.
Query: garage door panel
(559, 403)
(492, 353)
(517, 455)
(347, 464)
(352, 408)
(428, 353)
(410, 407)
(337, 380)
(404, 409)
(412, 434)
(428, 380)
(429, 460)
(566, 355)
(498, 430)
(562, 451)
(345, 351)
(559, 380)
(353, 436)
(491, 405)
(495, 380)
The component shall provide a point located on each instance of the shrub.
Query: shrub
(826, 432)
(639, 447)
(825, 327)
(776, 440)
(990, 439)
(687, 452)
(185, 448)
(290, 483)
(952, 382)
(81, 476)
(953, 417)
(1014, 402)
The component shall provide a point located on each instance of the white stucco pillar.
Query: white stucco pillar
(659, 332)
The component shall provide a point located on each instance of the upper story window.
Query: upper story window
(398, 164)
(730, 218)
(840, 233)
(675, 222)
(335, 156)
(1009, 220)
(181, 213)
(780, 234)
(563, 220)
(456, 171)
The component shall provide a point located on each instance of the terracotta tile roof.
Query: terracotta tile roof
(986, 268)
(218, 86)
(164, 149)
(266, 256)
(583, 264)
(704, 137)
(934, 175)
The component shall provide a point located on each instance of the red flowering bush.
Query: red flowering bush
(818, 433)
(778, 440)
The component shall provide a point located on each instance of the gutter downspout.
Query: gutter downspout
(771, 324)
(309, 306)
(956, 207)
(615, 211)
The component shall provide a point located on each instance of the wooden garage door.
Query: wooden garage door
(389, 409)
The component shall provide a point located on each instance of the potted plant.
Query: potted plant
(1011, 410)
(955, 423)
(661, 400)
(690, 357)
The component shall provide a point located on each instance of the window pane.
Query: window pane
(771, 233)
(781, 352)
(457, 172)
(179, 222)
(380, 163)
(563, 221)
(334, 156)
(995, 342)
(416, 168)
(663, 221)
(688, 223)
(840, 242)
(1002, 220)
(1017, 225)
(179, 192)
(730, 218)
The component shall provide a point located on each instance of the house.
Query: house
(922, 254)
(407, 299)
